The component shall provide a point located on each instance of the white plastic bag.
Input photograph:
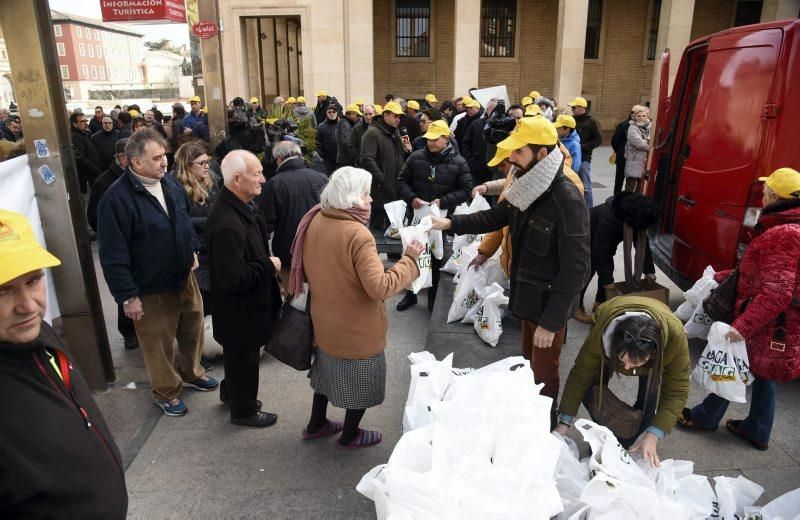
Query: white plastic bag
(489, 316)
(466, 294)
(733, 495)
(609, 456)
(420, 233)
(699, 324)
(723, 367)
(299, 300)
(461, 258)
(785, 507)
(695, 296)
(396, 213)
(434, 236)
(430, 382)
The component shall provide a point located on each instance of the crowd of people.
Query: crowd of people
(254, 222)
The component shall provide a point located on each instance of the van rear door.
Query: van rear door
(719, 156)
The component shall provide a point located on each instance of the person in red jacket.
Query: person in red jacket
(767, 315)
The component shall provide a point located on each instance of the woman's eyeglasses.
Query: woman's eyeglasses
(201, 163)
(645, 345)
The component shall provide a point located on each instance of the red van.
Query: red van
(733, 116)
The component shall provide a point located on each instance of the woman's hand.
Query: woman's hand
(417, 203)
(733, 336)
(647, 447)
(441, 224)
(414, 249)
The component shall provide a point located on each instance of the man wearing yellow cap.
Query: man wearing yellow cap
(352, 116)
(432, 101)
(302, 112)
(357, 134)
(438, 176)
(409, 124)
(57, 453)
(589, 131)
(196, 122)
(258, 110)
(323, 100)
(565, 125)
(472, 111)
(326, 138)
(382, 155)
(549, 231)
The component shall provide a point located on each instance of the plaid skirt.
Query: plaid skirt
(353, 384)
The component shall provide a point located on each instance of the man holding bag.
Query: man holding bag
(435, 175)
(549, 231)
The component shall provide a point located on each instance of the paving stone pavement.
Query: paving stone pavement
(200, 466)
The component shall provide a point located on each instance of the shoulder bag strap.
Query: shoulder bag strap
(627, 235)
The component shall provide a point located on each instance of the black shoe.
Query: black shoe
(408, 300)
(226, 400)
(207, 365)
(258, 419)
(431, 298)
(131, 342)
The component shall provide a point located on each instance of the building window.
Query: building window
(57, 30)
(62, 51)
(3, 54)
(413, 28)
(64, 72)
(108, 72)
(91, 51)
(102, 72)
(652, 36)
(747, 13)
(84, 71)
(498, 24)
(79, 31)
(97, 35)
(593, 22)
(94, 71)
(81, 49)
(99, 52)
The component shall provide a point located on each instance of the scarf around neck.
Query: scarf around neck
(525, 190)
(297, 277)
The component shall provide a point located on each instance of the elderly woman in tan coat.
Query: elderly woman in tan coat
(335, 252)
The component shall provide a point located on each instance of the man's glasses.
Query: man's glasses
(645, 345)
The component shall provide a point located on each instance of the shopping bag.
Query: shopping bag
(461, 241)
(434, 236)
(608, 455)
(699, 324)
(460, 258)
(695, 296)
(733, 495)
(419, 232)
(396, 213)
(466, 294)
(430, 382)
(785, 507)
(488, 317)
(723, 367)
(299, 301)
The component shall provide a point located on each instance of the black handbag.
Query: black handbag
(292, 337)
(720, 304)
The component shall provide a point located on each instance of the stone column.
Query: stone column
(324, 31)
(674, 33)
(467, 45)
(570, 46)
(360, 81)
(779, 10)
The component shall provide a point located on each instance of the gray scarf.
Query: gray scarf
(526, 189)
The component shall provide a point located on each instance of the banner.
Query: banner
(143, 11)
(484, 95)
(17, 194)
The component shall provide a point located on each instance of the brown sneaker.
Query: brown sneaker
(582, 316)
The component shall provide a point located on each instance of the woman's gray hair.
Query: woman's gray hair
(364, 108)
(345, 188)
(286, 149)
(138, 140)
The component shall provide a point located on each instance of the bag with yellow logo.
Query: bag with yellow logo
(724, 367)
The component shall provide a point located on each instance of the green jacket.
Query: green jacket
(674, 389)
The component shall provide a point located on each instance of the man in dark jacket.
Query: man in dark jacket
(58, 457)
(11, 129)
(124, 121)
(286, 198)
(354, 144)
(96, 124)
(104, 142)
(436, 175)
(344, 129)
(323, 100)
(589, 131)
(549, 230)
(408, 120)
(473, 112)
(87, 159)
(144, 212)
(382, 155)
(326, 139)
(618, 141)
(244, 292)
(475, 149)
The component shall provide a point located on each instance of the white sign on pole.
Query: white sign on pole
(484, 95)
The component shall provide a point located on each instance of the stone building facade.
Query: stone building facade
(604, 50)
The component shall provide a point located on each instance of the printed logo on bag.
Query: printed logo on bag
(624, 456)
(702, 319)
(470, 300)
(424, 261)
(715, 364)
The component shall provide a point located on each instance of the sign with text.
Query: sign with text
(143, 11)
(205, 29)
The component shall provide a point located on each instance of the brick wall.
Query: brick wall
(711, 16)
(413, 78)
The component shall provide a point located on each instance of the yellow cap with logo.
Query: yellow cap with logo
(133, 112)
(413, 105)
(437, 129)
(471, 103)
(578, 102)
(353, 107)
(530, 130)
(430, 98)
(359, 101)
(20, 252)
(785, 182)
(291, 100)
(300, 99)
(393, 107)
(321, 93)
(499, 156)
(534, 94)
(527, 101)
(254, 99)
(194, 99)
(378, 109)
(533, 110)
(564, 121)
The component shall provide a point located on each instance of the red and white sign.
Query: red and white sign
(205, 29)
(143, 11)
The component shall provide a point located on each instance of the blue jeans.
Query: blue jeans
(585, 173)
(758, 424)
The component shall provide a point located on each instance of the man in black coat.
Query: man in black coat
(244, 293)
(286, 198)
(436, 175)
(473, 112)
(104, 142)
(475, 149)
(58, 457)
(589, 131)
(326, 138)
(96, 124)
(87, 159)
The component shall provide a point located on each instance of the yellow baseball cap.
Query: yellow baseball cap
(20, 252)
(353, 107)
(300, 99)
(430, 98)
(194, 99)
(291, 100)
(564, 120)
(378, 109)
(499, 156)
(527, 101)
(533, 110)
(578, 102)
(359, 101)
(785, 182)
(534, 94)
(321, 93)
(471, 103)
(413, 105)
(393, 107)
(530, 130)
(437, 129)
(133, 112)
